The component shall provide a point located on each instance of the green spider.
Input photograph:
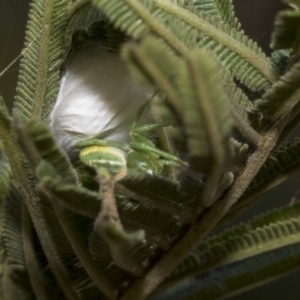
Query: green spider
(140, 154)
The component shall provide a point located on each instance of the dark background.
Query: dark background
(257, 18)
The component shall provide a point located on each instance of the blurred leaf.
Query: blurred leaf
(280, 98)
(15, 280)
(287, 34)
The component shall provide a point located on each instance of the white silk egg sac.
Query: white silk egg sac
(97, 98)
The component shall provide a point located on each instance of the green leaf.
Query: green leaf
(280, 60)
(222, 11)
(239, 108)
(240, 103)
(133, 217)
(77, 199)
(42, 282)
(160, 227)
(50, 152)
(47, 173)
(281, 97)
(133, 205)
(240, 258)
(38, 82)
(204, 111)
(286, 34)
(38, 143)
(194, 88)
(181, 29)
(5, 177)
(12, 151)
(153, 61)
(281, 166)
(15, 280)
(206, 116)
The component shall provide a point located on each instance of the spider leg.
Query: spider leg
(168, 162)
(146, 147)
(147, 127)
(141, 111)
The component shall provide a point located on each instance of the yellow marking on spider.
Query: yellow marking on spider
(110, 158)
(104, 149)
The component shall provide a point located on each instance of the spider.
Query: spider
(140, 154)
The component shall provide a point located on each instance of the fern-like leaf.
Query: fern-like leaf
(286, 34)
(182, 29)
(160, 68)
(284, 163)
(15, 281)
(51, 163)
(206, 116)
(46, 172)
(280, 60)
(38, 143)
(240, 103)
(223, 11)
(39, 71)
(5, 176)
(281, 97)
(241, 257)
(160, 192)
(193, 88)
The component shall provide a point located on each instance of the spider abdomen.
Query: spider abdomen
(110, 158)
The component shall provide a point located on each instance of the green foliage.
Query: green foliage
(15, 279)
(231, 47)
(205, 105)
(286, 34)
(39, 72)
(223, 11)
(282, 97)
(240, 257)
(74, 234)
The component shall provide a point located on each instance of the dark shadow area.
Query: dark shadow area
(13, 18)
